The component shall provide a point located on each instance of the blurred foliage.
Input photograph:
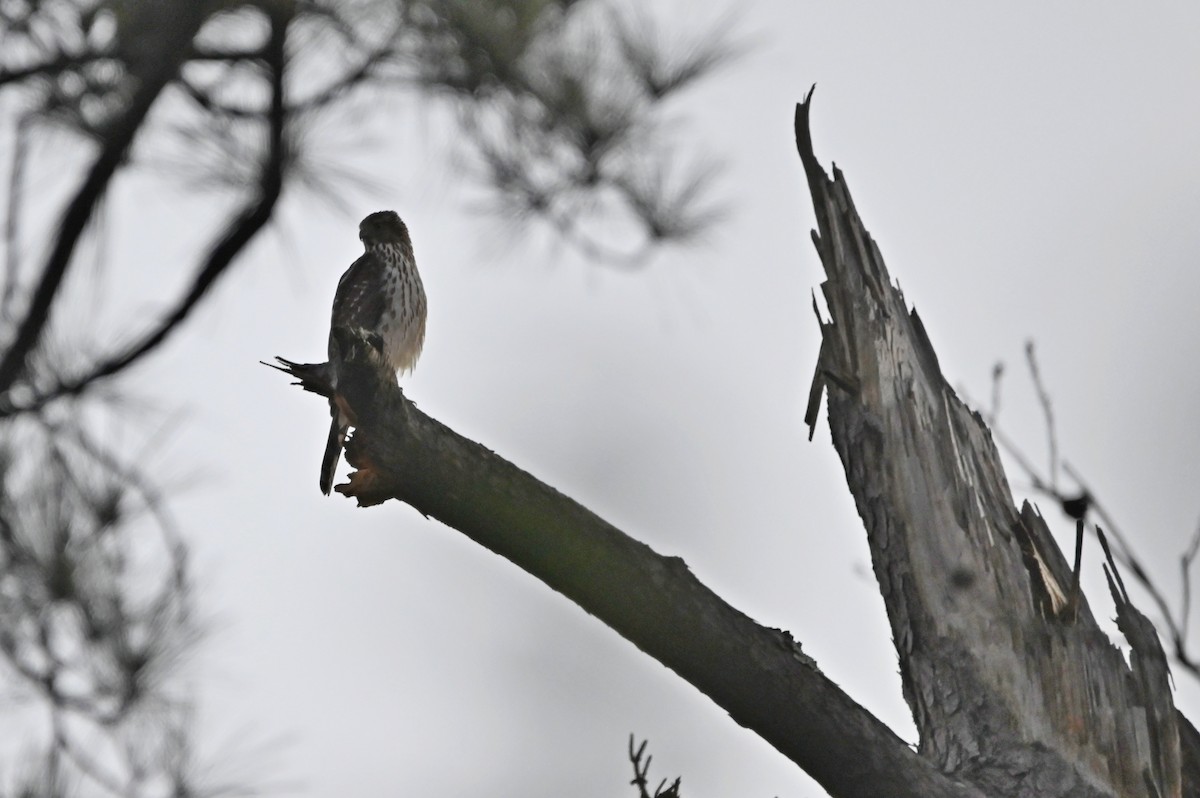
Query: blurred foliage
(95, 612)
(561, 110)
(561, 103)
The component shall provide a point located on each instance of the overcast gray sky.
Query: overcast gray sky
(1030, 171)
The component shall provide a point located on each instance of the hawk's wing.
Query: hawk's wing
(359, 300)
(357, 303)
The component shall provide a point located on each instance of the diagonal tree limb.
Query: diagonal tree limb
(757, 674)
(237, 235)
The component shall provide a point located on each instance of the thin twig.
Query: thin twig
(1174, 626)
(997, 379)
(641, 770)
(1047, 411)
(1075, 570)
(1185, 567)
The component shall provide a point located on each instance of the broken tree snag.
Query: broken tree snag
(1013, 688)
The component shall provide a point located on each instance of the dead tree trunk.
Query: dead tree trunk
(1011, 683)
(1015, 690)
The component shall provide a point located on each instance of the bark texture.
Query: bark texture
(1012, 685)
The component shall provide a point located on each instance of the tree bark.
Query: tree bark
(1012, 684)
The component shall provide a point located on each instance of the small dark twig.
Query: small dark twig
(1185, 567)
(1073, 606)
(642, 768)
(1079, 506)
(997, 379)
(639, 769)
(1111, 565)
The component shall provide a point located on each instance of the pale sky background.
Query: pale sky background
(1031, 171)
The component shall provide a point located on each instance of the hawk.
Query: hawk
(380, 294)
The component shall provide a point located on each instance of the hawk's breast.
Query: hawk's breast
(402, 326)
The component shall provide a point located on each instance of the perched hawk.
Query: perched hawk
(381, 294)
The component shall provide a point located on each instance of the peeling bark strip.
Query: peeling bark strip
(1010, 691)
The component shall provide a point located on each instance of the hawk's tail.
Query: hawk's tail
(333, 453)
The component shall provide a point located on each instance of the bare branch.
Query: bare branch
(1125, 555)
(997, 379)
(78, 213)
(1047, 411)
(641, 770)
(1174, 625)
(1185, 567)
(239, 233)
(759, 675)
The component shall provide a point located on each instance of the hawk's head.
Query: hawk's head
(383, 227)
